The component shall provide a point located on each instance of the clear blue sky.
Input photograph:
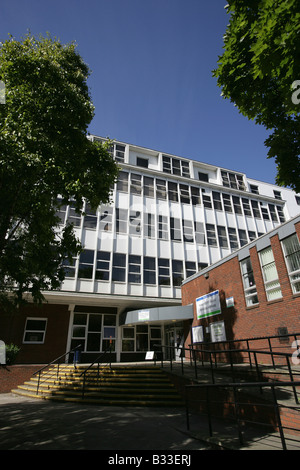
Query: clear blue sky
(151, 81)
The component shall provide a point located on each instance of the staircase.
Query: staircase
(118, 386)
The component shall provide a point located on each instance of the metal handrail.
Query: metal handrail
(244, 385)
(92, 364)
(50, 364)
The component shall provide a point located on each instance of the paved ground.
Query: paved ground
(31, 424)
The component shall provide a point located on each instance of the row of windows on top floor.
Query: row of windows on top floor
(120, 267)
(178, 167)
(177, 192)
(134, 223)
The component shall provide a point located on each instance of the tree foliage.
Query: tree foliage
(258, 72)
(44, 153)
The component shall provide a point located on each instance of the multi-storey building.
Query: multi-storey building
(169, 218)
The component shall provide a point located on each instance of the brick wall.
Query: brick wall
(242, 321)
(12, 376)
(12, 331)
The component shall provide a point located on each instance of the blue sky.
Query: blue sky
(151, 80)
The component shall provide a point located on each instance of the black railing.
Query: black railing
(239, 417)
(56, 361)
(99, 360)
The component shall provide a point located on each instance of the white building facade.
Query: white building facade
(170, 217)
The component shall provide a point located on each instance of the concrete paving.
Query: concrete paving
(37, 424)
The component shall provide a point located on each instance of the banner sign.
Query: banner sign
(208, 305)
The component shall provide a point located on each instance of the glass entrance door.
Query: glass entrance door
(174, 340)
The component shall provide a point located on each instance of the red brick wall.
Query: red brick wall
(242, 321)
(12, 331)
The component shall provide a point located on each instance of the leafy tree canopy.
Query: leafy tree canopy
(44, 153)
(259, 72)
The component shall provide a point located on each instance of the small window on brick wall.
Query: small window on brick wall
(291, 249)
(35, 330)
(249, 283)
(270, 275)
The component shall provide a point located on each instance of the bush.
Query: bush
(11, 353)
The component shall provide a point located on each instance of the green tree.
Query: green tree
(44, 153)
(259, 72)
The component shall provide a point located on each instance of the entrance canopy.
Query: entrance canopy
(159, 315)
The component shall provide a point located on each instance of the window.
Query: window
(74, 218)
(119, 152)
(291, 249)
(149, 225)
(90, 218)
(149, 270)
(175, 229)
(161, 192)
(134, 269)
(35, 330)
(163, 227)
(233, 240)
(254, 189)
(270, 275)
(227, 203)
(280, 214)
(172, 191)
(142, 162)
(61, 211)
(195, 194)
(237, 205)
(122, 184)
(86, 264)
(206, 200)
(203, 176)
(255, 209)
(148, 186)
(246, 207)
(135, 184)
(175, 166)
(103, 265)
(184, 194)
(249, 282)
(277, 194)
(105, 223)
(69, 267)
(232, 180)
(199, 233)
(243, 237)
(188, 235)
(222, 236)
(119, 267)
(265, 212)
(217, 201)
(121, 220)
(93, 331)
(177, 272)
(211, 235)
(273, 213)
(190, 268)
(135, 223)
(163, 272)
(128, 336)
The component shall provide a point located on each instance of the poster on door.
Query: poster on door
(208, 305)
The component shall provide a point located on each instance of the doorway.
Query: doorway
(174, 338)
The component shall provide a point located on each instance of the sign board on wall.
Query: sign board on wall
(143, 315)
(217, 331)
(208, 305)
(197, 334)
